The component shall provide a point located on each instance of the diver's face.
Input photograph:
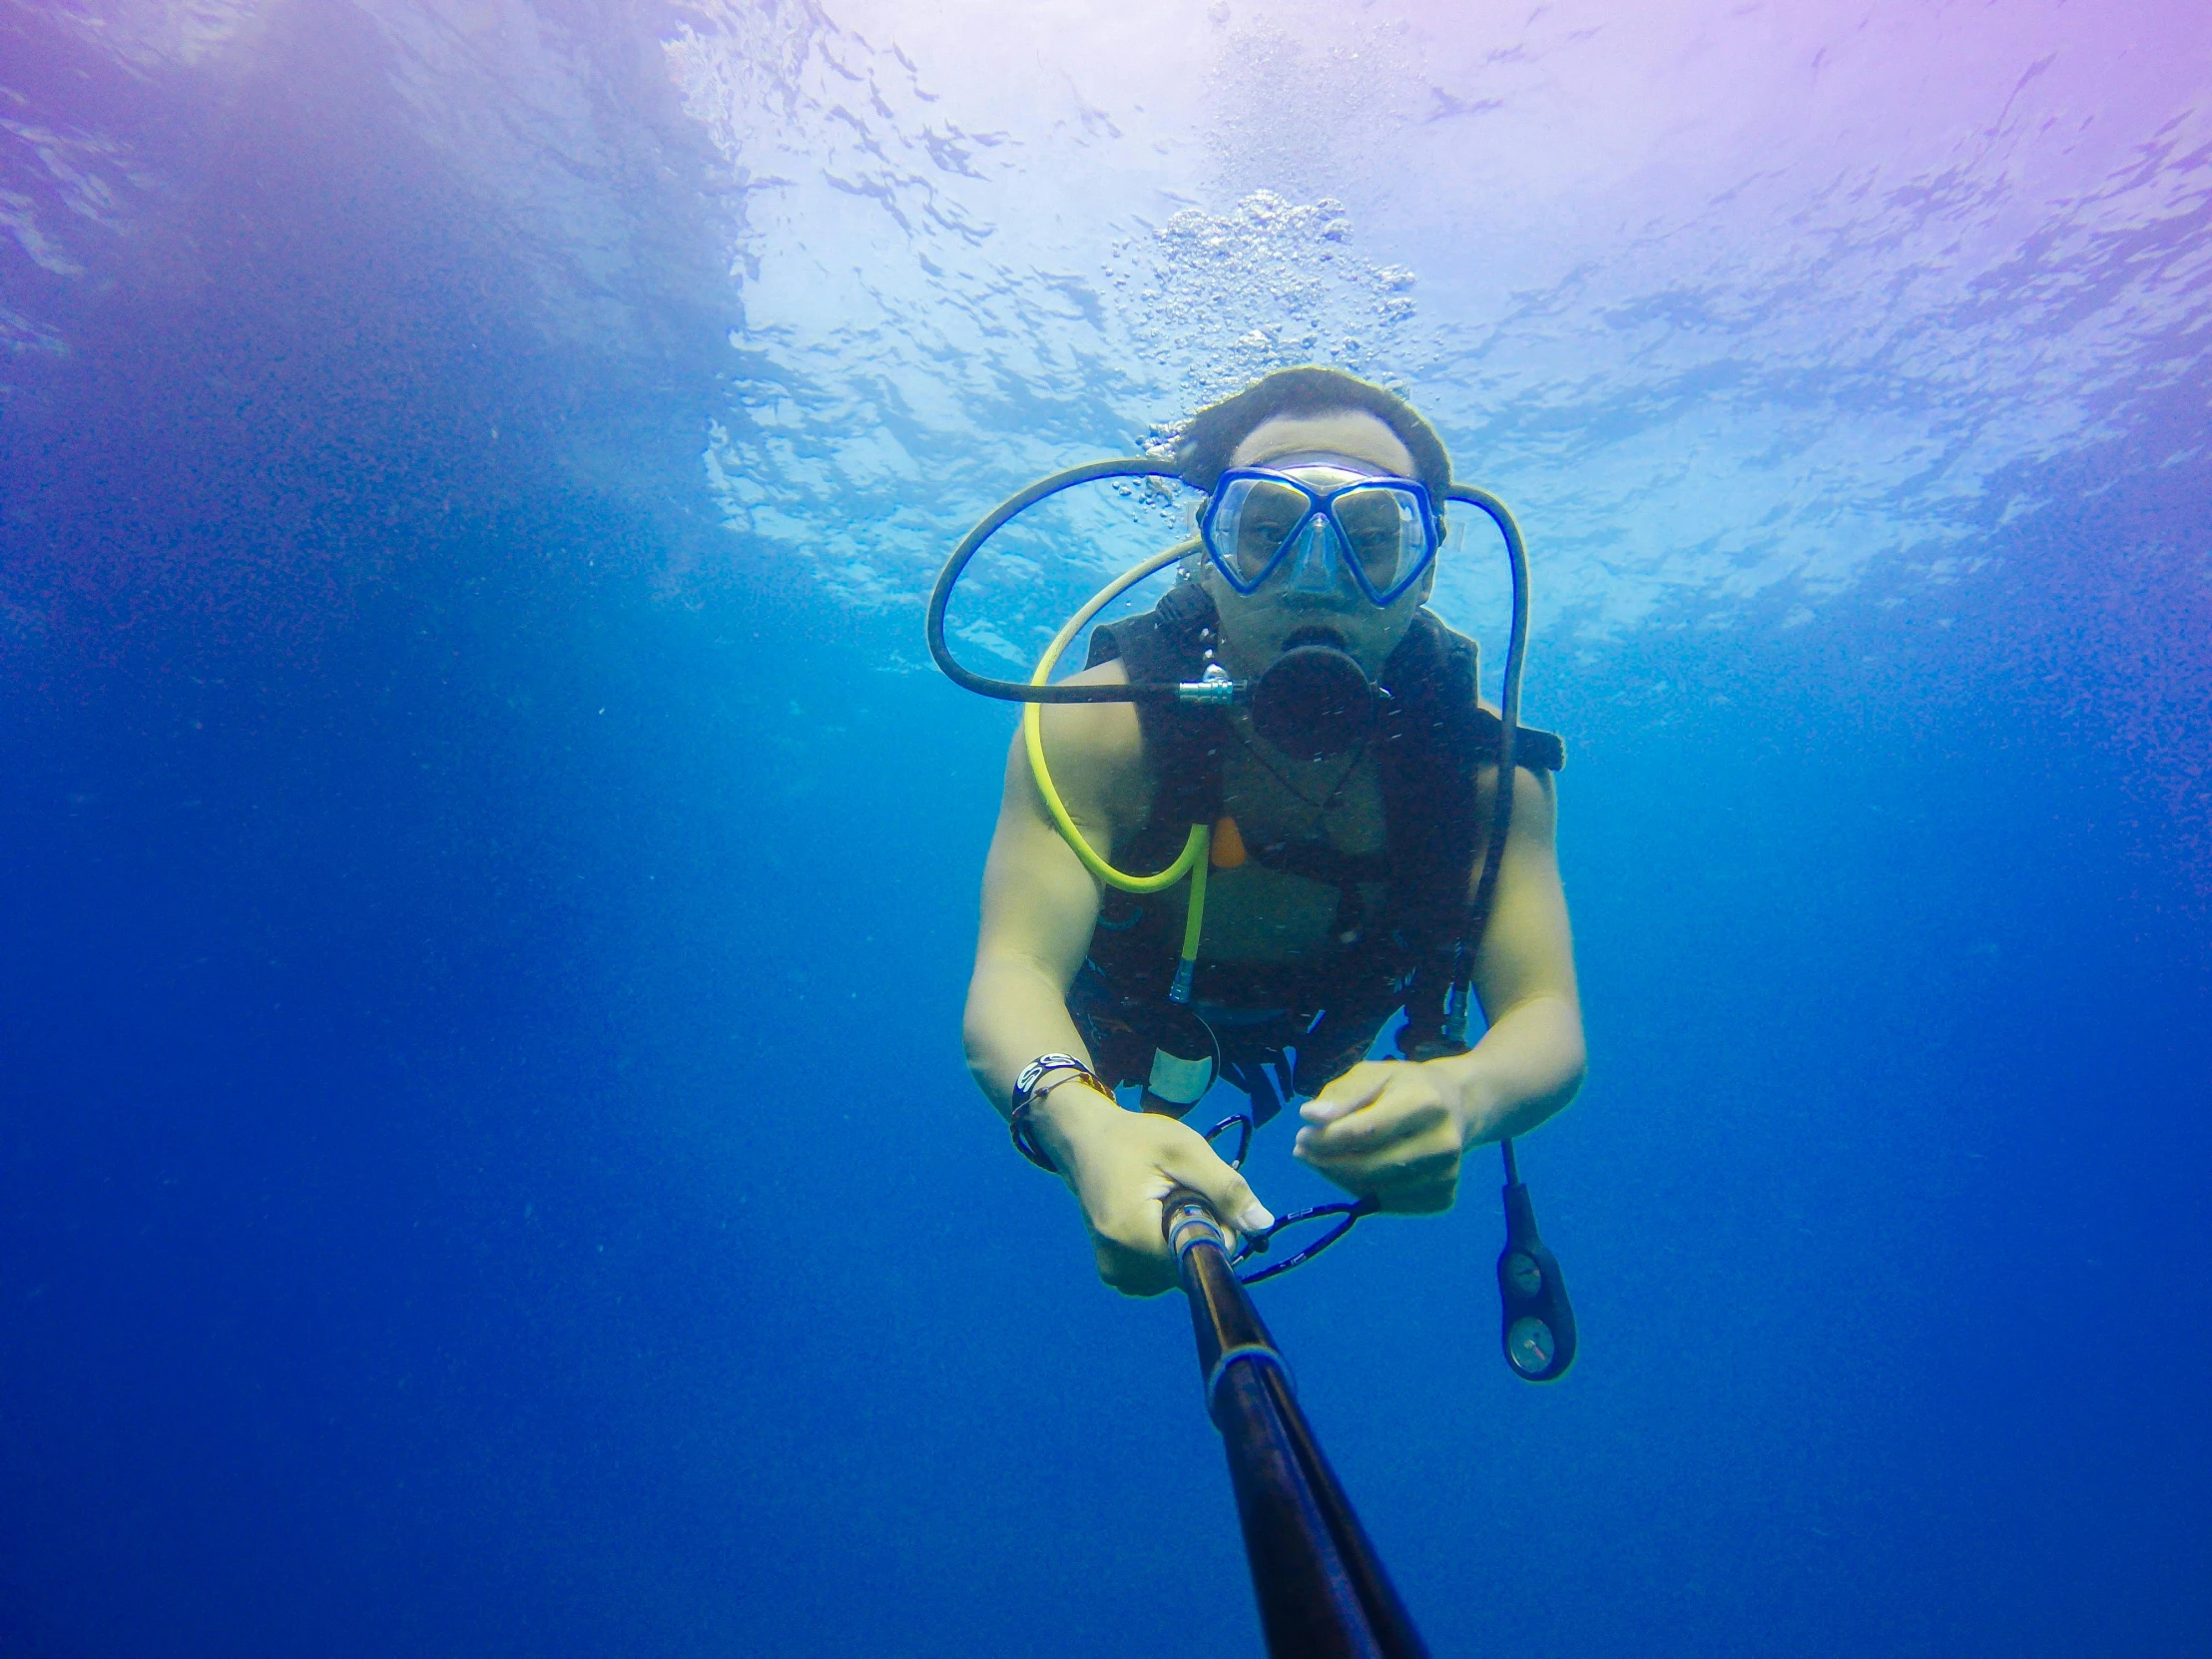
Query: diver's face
(1255, 626)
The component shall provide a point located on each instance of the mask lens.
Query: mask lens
(1388, 534)
(1254, 518)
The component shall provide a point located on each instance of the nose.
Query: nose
(1314, 562)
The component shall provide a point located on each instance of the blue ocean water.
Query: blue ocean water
(486, 1161)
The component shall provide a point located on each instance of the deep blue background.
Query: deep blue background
(487, 1169)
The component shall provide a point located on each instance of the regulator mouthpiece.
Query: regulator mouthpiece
(1315, 700)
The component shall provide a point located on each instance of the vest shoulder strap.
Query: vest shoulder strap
(1533, 747)
(1183, 743)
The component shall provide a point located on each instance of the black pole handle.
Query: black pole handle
(1322, 1594)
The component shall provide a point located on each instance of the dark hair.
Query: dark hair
(1214, 432)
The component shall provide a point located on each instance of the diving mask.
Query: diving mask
(1380, 530)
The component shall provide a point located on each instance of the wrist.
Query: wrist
(1066, 1108)
(1467, 1095)
(1030, 1117)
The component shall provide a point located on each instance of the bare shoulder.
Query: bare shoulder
(1535, 799)
(1096, 750)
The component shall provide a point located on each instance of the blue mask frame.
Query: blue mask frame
(1322, 504)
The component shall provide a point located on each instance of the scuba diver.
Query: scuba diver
(1295, 747)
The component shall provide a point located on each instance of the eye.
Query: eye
(1379, 523)
(1259, 516)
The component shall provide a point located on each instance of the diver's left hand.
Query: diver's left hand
(1389, 1128)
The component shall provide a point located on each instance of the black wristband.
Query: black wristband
(1031, 1087)
(1025, 1143)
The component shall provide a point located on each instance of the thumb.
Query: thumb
(1223, 1189)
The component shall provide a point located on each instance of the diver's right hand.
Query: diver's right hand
(1121, 1165)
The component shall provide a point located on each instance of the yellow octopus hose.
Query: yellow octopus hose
(1194, 857)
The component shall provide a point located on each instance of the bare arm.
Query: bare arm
(1040, 906)
(1531, 1063)
(1397, 1130)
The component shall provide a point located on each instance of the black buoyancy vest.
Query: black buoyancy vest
(1430, 738)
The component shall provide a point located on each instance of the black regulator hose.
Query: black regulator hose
(1508, 708)
(1021, 691)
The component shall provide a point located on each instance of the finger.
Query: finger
(1342, 1095)
(1414, 1164)
(1350, 1092)
(1132, 1256)
(1227, 1192)
(1133, 1272)
(1371, 1130)
(1417, 1186)
(1392, 1181)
